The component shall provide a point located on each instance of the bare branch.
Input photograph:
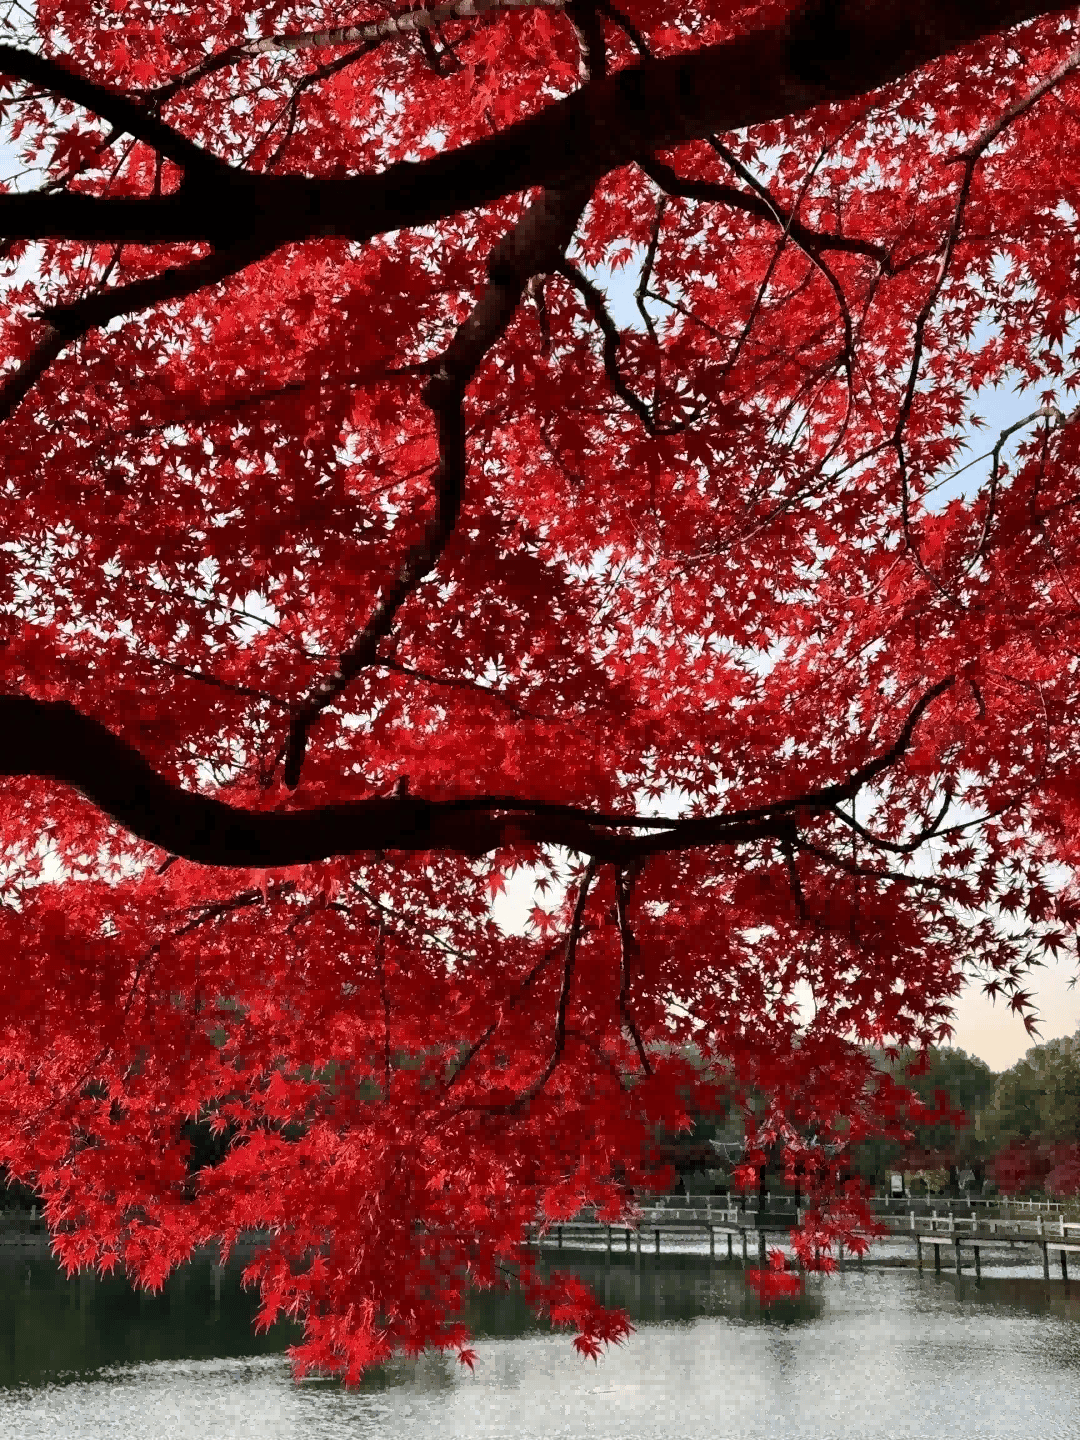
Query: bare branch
(597, 302)
(404, 22)
(630, 949)
(642, 291)
(564, 994)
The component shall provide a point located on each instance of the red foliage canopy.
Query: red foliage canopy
(358, 553)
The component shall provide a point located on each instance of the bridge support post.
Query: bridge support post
(956, 1251)
(918, 1249)
(978, 1267)
(937, 1257)
(609, 1239)
(712, 1243)
(1064, 1265)
(729, 1244)
(559, 1238)
(628, 1241)
(1046, 1260)
(637, 1257)
(761, 1248)
(743, 1234)
(657, 1234)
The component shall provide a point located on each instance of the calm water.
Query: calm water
(873, 1352)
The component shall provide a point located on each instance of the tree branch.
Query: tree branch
(827, 52)
(630, 949)
(569, 963)
(712, 192)
(53, 739)
(535, 245)
(405, 22)
(68, 323)
(124, 114)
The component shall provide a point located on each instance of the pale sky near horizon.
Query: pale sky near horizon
(983, 1027)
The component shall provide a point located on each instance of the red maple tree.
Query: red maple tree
(359, 552)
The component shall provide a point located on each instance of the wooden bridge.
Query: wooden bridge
(709, 1220)
(962, 1231)
(713, 1218)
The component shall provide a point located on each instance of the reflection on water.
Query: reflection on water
(52, 1327)
(871, 1352)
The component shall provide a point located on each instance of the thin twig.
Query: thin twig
(630, 949)
(564, 994)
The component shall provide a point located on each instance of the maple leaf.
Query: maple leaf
(587, 1347)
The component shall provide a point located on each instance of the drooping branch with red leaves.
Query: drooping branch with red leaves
(531, 446)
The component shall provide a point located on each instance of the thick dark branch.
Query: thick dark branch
(17, 383)
(125, 115)
(173, 219)
(52, 738)
(68, 323)
(173, 284)
(827, 52)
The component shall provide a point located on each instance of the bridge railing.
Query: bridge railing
(1036, 1227)
(1000, 1207)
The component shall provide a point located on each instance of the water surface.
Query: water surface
(872, 1352)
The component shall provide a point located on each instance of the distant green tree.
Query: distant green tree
(1038, 1099)
(969, 1083)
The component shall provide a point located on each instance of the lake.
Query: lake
(876, 1351)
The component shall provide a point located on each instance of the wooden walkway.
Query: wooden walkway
(960, 1232)
(727, 1223)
